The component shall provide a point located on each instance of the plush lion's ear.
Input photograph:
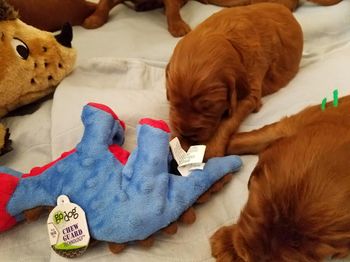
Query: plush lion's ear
(7, 12)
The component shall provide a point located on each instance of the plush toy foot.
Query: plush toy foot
(34, 213)
(215, 188)
(116, 248)
(146, 243)
(171, 229)
(5, 141)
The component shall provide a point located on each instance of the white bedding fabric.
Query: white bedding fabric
(122, 65)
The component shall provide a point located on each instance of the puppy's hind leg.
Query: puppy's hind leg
(255, 141)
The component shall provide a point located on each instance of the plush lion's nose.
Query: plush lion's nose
(66, 36)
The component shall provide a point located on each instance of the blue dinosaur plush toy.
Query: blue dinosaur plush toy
(125, 198)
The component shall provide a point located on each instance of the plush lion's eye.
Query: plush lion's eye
(21, 48)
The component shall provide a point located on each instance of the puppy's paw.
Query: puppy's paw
(179, 28)
(95, 21)
(222, 245)
(214, 150)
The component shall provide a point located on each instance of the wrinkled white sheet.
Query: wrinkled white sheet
(121, 65)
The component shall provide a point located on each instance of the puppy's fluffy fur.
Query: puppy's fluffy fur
(299, 193)
(219, 71)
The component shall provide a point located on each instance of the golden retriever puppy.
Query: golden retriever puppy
(219, 71)
(298, 207)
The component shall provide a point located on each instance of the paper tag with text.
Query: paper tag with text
(194, 155)
(178, 153)
(190, 160)
(186, 170)
(68, 229)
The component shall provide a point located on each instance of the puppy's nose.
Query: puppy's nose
(192, 134)
(189, 136)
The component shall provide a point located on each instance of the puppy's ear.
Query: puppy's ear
(258, 172)
(166, 80)
(242, 86)
(237, 90)
(232, 95)
(238, 72)
(237, 78)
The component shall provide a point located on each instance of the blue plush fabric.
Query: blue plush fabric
(122, 202)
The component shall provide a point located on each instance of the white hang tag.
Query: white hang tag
(68, 229)
(178, 152)
(194, 155)
(190, 160)
(186, 170)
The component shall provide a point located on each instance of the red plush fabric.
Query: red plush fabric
(108, 110)
(8, 184)
(155, 123)
(119, 153)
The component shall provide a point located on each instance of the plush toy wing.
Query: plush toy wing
(124, 198)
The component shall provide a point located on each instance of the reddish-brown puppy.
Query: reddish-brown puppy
(51, 15)
(219, 71)
(299, 199)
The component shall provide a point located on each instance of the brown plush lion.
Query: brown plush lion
(32, 63)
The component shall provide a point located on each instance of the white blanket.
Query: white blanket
(122, 65)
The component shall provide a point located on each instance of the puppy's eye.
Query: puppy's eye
(21, 48)
(226, 113)
(205, 105)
